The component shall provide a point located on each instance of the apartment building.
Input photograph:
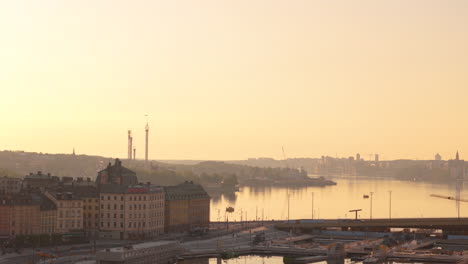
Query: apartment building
(131, 212)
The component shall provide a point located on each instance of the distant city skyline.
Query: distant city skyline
(231, 80)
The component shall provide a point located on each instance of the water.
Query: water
(409, 199)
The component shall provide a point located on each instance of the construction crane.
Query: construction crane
(449, 198)
(456, 199)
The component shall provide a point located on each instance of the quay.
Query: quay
(447, 225)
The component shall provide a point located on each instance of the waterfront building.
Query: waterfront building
(187, 208)
(69, 210)
(131, 212)
(158, 252)
(10, 185)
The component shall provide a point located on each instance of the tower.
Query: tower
(130, 143)
(146, 141)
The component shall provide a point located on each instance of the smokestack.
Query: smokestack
(146, 143)
(134, 154)
(130, 139)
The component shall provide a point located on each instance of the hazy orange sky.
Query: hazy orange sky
(234, 79)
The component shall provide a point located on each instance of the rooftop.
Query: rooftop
(137, 188)
(185, 191)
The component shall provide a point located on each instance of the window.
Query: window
(102, 197)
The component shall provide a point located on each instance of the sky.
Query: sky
(235, 79)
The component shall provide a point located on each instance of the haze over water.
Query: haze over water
(409, 199)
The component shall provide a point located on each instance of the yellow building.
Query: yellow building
(131, 212)
(69, 210)
(89, 195)
(187, 208)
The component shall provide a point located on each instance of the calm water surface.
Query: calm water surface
(409, 199)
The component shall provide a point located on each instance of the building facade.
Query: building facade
(187, 208)
(5, 218)
(10, 185)
(69, 211)
(89, 195)
(25, 216)
(40, 181)
(131, 212)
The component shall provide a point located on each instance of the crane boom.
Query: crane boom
(448, 197)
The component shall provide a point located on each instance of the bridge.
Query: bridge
(457, 226)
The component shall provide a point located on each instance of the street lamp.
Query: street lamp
(390, 205)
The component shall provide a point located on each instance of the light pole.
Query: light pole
(288, 207)
(312, 205)
(390, 206)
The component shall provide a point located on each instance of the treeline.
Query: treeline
(165, 177)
